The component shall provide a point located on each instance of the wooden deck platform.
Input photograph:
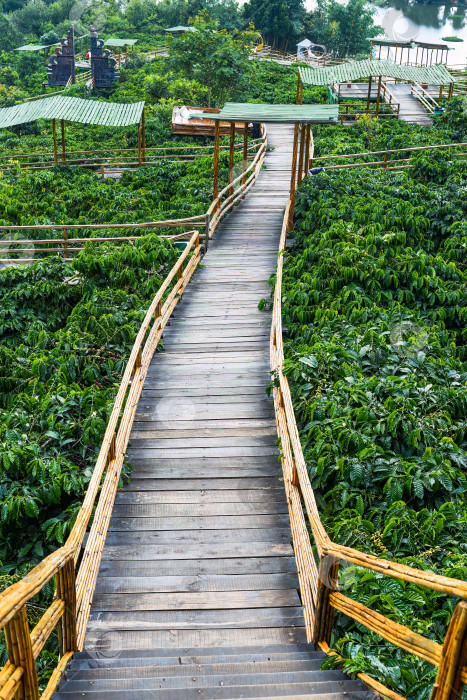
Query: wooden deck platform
(197, 593)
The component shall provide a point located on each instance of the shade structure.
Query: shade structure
(72, 109)
(408, 44)
(180, 28)
(355, 70)
(305, 44)
(34, 47)
(120, 43)
(285, 114)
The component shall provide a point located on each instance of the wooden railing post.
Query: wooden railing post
(231, 157)
(66, 591)
(448, 684)
(300, 158)
(62, 129)
(215, 188)
(206, 233)
(19, 647)
(245, 152)
(293, 176)
(54, 133)
(324, 613)
(65, 242)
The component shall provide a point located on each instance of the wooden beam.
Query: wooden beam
(62, 129)
(371, 51)
(301, 93)
(139, 145)
(298, 88)
(215, 189)
(143, 136)
(369, 95)
(302, 152)
(448, 684)
(293, 175)
(378, 97)
(245, 152)
(231, 156)
(54, 132)
(324, 612)
(306, 164)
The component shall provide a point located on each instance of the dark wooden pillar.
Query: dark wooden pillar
(298, 88)
(378, 97)
(301, 154)
(215, 189)
(245, 152)
(143, 137)
(293, 175)
(368, 99)
(371, 51)
(54, 133)
(231, 156)
(306, 164)
(62, 129)
(139, 144)
(301, 93)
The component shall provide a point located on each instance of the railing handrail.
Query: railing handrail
(319, 588)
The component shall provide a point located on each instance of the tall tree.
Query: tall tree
(343, 29)
(279, 21)
(212, 56)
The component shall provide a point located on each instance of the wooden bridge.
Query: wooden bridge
(206, 583)
(197, 593)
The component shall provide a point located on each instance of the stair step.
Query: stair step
(205, 669)
(351, 690)
(87, 664)
(128, 653)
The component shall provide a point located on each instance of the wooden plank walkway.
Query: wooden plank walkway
(197, 592)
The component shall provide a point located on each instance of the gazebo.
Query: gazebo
(120, 44)
(442, 51)
(302, 47)
(374, 69)
(73, 109)
(302, 116)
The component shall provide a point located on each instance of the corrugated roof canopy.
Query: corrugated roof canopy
(33, 47)
(408, 44)
(286, 114)
(120, 42)
(343, 72)
(180, 28)
(72, 109)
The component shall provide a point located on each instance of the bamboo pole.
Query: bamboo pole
(448, 684)
(378, 97)
(301, 155)
(54, 132)
(368, 99)
(245, 152)
(293, 174)
(215, 191)
(143, 136)
(62, 129)
(231, 157)
(19, 647)
(324, 613)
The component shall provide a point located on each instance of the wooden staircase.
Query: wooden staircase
(197, 593)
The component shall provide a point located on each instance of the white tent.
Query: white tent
(302, 47)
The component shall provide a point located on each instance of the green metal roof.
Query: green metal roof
(181, 29)
(120, 42)
(408, 44)
(250, 112)
(355, 70)
(72, 109)
(33, 47)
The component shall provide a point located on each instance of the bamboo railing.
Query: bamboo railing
(386, 162)
(319, 584)
(116, 158)
(74, 590)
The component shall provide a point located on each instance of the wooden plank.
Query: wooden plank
(136, 585)
(250, 495)
(205, 551)
(185, 567)
(275, 536)
(224, 600)
(198, 522)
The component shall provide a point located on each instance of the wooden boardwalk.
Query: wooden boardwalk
(197, 593)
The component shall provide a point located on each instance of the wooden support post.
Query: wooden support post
(206, 234)
(378, 97)
(371, 51)
(119, 57)
(448, 684)
(65, 242)
(112, 448)
(231, 157)
(54, 132)
(300, 158)
(451, 90)
(245, 152)
(440, 92)
(293, 175)
(62, 128)
(369, 96)
(416, 57)
(19, 647)
(102, 172)
(385, 159)
(215, 189)
(139, 145)
(306, 165)
(143, 137)
(395, 56)
(298, 88)
(301, 93)
(66, 591)
(324, 613)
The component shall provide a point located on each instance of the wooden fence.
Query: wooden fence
(68, 245)
(384, 160)
(319, 582)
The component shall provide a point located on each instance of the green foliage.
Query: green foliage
(374, 315)
(279, 21)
